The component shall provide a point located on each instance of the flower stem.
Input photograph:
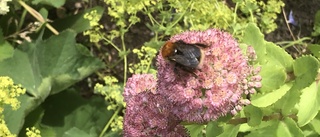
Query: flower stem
(109, 122)
(125, 62)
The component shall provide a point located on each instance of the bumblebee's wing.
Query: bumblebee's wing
(187, 55)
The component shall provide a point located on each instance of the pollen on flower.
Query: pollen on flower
(218, 81)
(188, 93)
(231, 78)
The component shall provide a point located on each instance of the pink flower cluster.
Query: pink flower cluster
(225, 75)
(148, 114)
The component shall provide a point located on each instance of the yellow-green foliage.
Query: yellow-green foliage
(117, 124)
(145, 55)
(264, 14)
(112, 93)
(8, 96)
(124, 12)
(172, 16)
(94, 32)
(4, 131)
(33, 132)
(9, 93)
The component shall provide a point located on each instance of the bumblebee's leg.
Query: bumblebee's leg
(191, 71)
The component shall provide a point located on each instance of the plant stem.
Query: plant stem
(109, 122)
(235, 13)
(22, 19)
(38, 16)
(286, 20)
(182, 15)
(112, 44)
(125, 62)
(292, 43)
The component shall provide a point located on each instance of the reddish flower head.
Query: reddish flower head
(224, 75)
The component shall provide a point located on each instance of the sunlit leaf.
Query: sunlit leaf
(272, 77)
(213, 129)
(305, 71)
(254, 115)
(253, 37)
(315, 124)
(195, 129)
(270, 98)
(309, 104)
(230, 131)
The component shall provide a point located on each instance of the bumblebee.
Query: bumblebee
(188, 57)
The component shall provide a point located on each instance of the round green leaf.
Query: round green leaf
(305, 70)
(254, 115)
(278, 56)
(253, 37)
(230, 131)
(195, 129)
(309, 104)
(272, 77)
(213, 129)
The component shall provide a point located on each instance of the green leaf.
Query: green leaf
(315, 49)
(291, 126)
(246, 128)
(268, 131)
(6, 50)
(315, 124)
(230, 131)
(278, 56)
(75, 22)
(253, 37)
(68, 112)
(286, 128)
(253, 114)
(213, 129)
(288, 101)
(264, 100)
(44, 68)
(316, 27)
(15, 119)
(54, 3)
(195, 129)
(305, 71)
(309, 104)
(272, 77)
(76, 132)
